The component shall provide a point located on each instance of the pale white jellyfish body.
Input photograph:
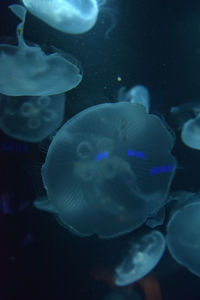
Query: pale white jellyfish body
(183, 238)
(70, 16)
(31, 119)
(106, 164)
(190, 133)
(143, 256)
(28, 71)
(137, 94)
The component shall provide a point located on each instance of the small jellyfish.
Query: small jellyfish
(180, 114)
(143, 256)
(189, 107)
(190, 133)
(110, 162)
(28, 71)
(31, 119)
(183, 239)
(69, 16)
(137, 94)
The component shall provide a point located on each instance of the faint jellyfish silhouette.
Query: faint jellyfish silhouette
(183, 239)
(180, 114)
(31, 119)
(190, 134)
(69, 16)
(137, 94)
(9, 205)
(105, 164)
(28, 71)
(142, 258)
(180, 111)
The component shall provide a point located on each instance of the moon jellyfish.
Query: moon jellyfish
(143, 256)
(31, 119)
(182, 109)
(190, 133)
(65, 15)
(28, 71)
(182, 113)
(183, 237)
(137, 94)
(110, 162)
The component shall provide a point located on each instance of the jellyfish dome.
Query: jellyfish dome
(31, 119)
(69, 16)
(183, 239)
(137, 94)
(142, 258)
(28, 71)
(111, 162)
(190, 133)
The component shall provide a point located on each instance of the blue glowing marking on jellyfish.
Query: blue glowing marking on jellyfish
(131, 152)
(101, 155)
(161, 169)
(138, 154)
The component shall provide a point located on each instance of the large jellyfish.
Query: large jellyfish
(137, 94)
(142, 258)
(69, 16)
(183, 237)
(190, 133)
(111, 162)
(28, 71)
(31, 119)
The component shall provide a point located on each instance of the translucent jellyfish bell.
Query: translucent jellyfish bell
(181, 110)
(190, 133)
(65, 15)
(31, 119)
(111, 162)
(137, 94)
(180, 114)
(183, 237)
(142, 258)
(28, 71)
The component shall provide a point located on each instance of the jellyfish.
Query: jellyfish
(188, 107)
(183, 239)
(143, 256)
(110, 162)
(31, 119)
(137, 94)
(190, 133)
(28, 71)
(180, 114)
(68, 16)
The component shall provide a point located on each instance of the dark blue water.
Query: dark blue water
(155, 43)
